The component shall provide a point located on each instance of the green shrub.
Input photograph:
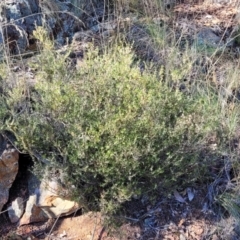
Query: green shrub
(116, 132)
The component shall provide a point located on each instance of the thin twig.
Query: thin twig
(94, 229)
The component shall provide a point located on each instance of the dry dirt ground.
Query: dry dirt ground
(171, 218)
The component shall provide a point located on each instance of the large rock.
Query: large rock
(8, 170)
(23, 13)
(18, 19)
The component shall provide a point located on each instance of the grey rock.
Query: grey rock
(206, 37)
(94, 13)
(16, 210)
(19, 18)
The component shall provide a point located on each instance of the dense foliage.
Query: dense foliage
(114, 131)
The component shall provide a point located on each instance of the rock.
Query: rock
(215, 237)
(19, 18)
(8, 171)
(46, 200)
(32, 213)
(16, 37)
(206, 37)
(22, 13)
(58, 207)
(93, 13)
(16, 210)
(60, 20)
(50, 201)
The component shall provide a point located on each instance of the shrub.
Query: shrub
(115, 132)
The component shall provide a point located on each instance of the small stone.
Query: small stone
(182, 237)
(16, 210)
(63, 234)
